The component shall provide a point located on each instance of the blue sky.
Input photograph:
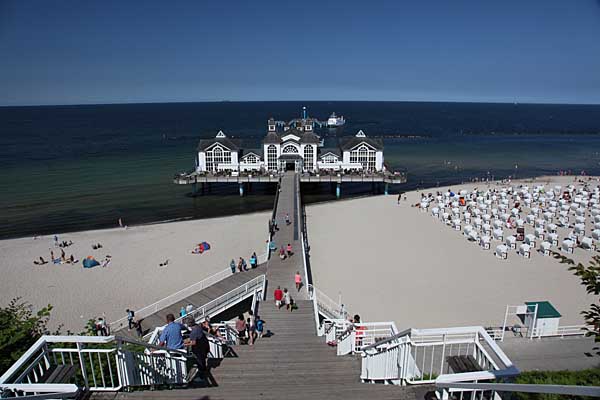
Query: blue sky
(78, 52)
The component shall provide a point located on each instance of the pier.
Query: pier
(201, 181)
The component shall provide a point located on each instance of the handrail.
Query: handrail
(248, 285)
(592, 391)
(55, 390)
(180, 295)
(388, 340)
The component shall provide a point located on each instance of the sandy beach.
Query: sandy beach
(133, 278)
(392, 261)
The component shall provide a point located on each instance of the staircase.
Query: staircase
(291, 363)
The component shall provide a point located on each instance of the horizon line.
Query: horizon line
(297, 101)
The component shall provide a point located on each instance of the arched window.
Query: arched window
(290, 149)
(308, 157)
(365, 156)
(272, 157)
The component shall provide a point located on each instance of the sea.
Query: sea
(69, 168)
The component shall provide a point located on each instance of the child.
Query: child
(260, 326)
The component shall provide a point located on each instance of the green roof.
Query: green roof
(545, 309)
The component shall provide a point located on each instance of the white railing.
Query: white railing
(325, 305)
(562, 331)
(223, 302)
(333, 328)
(98, 363)
(346, 341)
(419, 356)
(489, 390)
(40, 390)
(179, 295)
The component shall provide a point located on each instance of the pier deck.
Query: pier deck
(194, 178)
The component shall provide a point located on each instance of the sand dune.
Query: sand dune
(133, 278)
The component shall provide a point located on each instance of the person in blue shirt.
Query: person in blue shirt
(171, 336)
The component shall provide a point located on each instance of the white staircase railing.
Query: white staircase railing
(93, 363)
(325, 305)
(180, 295)
(223, 302)
(490, 390)
(420, 356)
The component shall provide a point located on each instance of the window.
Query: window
(308, 156)
(365, 156)
(272, 157)
(330, 159)
(210, 166)
(251, 159)
(216, 156)
(290, 149)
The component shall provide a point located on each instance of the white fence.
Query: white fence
(561, 331)
(96, 363)
(418, 356)
(180, 295)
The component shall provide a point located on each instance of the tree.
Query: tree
(20, 327)
(590, 278)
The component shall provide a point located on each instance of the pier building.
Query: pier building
(294, 146)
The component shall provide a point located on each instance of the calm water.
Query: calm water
(80, 167)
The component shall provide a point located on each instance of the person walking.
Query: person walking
(199, 345)
(289, 250)
(240, 265)
(251, 329)
(138, 327)
(286, 299)
(287, 219)
(240, 327)
(298, 281)
(232, 266)
(171, 335)
(130, 316)
(282, 253)
(253, 260)
(182, 312)
(278, 296)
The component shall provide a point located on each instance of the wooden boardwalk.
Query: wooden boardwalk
(197, 299)
(291, 362)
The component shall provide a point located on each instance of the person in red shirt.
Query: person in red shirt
(278, 295)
